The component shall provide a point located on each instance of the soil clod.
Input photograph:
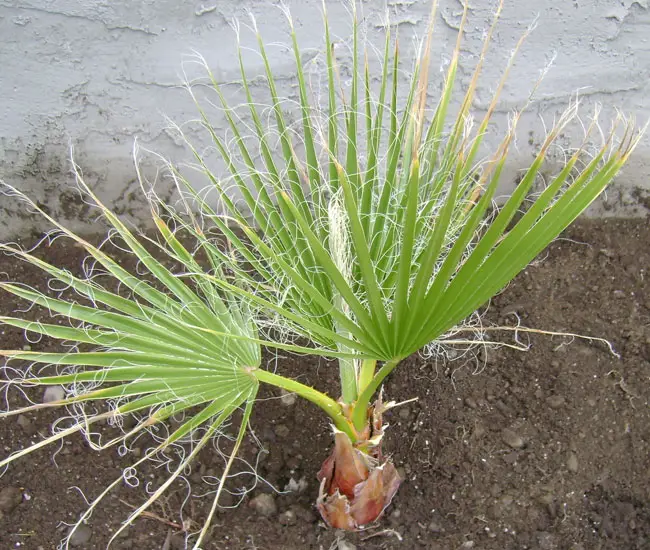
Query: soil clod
(512, 439)
(264, 504)
(10, 498)
(53, 393)
(81, 536)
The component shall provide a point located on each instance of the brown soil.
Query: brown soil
(548, 449)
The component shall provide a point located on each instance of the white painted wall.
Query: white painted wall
(99, 73)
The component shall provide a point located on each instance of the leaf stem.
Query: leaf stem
(360, 413)
(326, 403)
(367, 373)
(348, 377)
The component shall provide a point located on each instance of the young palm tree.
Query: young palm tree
(378, 240)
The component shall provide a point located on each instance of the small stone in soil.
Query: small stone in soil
(53, 393)
(287, 518)
(81, 536)
(282, 431)
(345, 545)
(26, 424)
(264, 505)
(471, 402)
(294, 486)
(572, 463)
(395, 517)
(479, 430)
(548, 501)
(435, 527)
(503, 408)
(288, 398)
(555, 401)
(10, 497)
(512, 439)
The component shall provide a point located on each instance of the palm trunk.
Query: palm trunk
(357, 483)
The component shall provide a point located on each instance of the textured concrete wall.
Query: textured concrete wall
(96, 74)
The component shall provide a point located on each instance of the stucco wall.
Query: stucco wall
(96, 74)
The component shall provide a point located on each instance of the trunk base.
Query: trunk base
(356, 486)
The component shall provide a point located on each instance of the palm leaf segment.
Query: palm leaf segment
(379, 237)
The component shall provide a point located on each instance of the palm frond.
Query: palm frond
(148, 356)
(415, 245)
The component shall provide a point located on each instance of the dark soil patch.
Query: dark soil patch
(548, 449)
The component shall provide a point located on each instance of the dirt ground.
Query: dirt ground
(545, 449)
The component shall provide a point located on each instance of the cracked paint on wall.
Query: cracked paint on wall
(97, 74)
